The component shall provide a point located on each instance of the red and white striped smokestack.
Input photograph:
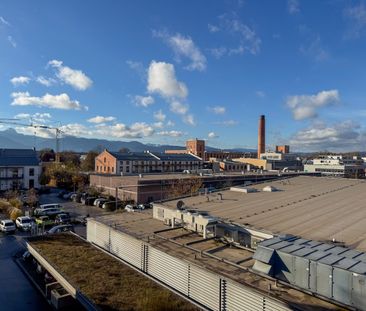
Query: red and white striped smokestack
(261, 135)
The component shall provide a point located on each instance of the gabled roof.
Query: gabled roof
(175, 157)
(18, 157)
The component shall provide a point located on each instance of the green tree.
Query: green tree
(47, 155)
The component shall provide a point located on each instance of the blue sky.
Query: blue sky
(165, 71)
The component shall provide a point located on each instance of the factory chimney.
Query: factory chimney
(261, 135)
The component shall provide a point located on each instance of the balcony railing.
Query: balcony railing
(20, 176)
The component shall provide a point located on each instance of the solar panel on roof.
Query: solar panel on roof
(352, 253)
(291, 248)
(346, 263)
(331, 259)
(316, 255)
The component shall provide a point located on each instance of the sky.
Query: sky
(162, 72)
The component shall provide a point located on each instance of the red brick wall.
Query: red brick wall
(105, 163)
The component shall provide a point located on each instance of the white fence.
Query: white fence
(210, 290)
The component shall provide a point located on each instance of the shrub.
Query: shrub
(16, 203)
(15, 213)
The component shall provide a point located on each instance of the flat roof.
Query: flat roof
(107, 282)
(211, 254)
(316, 208)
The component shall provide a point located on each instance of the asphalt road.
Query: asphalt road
(17, 293)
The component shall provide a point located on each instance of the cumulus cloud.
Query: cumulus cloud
(36, 117)
(12, 41)
(189, 119)
(100, 119)
(212, 135)
(343, 136)
(305, 106)
(76, 78)
(246, 39)
(159, 116)
(178, 107)
(21, 80)
(170, 133)
(61, 101)
(293, 6)
(45, 81)
(143, 101)
(184, 47)
(217, 109)
(162, 80)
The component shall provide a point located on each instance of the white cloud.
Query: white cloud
(159, 125)
(36, 117)
(100, 119)
(61, 101)
(143, 101)
(218, 52)
(305, 106)
(162, 80)
(217, 109)
(184, 47)
(356, 15)
(170, 133)
(12, 41)
(212, 135)
(260, 94)
(159, 116)
(246, 38)
(138, 67)
(3, 21)
(315, 49)
(293, 6)
(21, 80)
(170, 123)
(76, 78)
(189, 119)
(213, 28)
(45, 81)
(227, 123)
(344, 136)
(178, 108)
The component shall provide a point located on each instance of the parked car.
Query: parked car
(63, 218)
(24, 223)
(7, 226)
(101, 202)
(76, 197)
(89, 200)
(50, 205)
(98, 200)
(60, 228)
(51, 212)
(44, 221)
(68, 195)
(130, 208)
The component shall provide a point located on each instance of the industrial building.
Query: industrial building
(118, 163)
(336, 165)
(19, 169)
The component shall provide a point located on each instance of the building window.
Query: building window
(108, 169)
(104, 168)
(127, 169)
(105, 159)
(97, 168)
(112, 169)
(31, 173)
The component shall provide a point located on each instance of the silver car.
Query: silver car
(7, 226)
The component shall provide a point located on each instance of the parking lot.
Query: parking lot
(17, 292)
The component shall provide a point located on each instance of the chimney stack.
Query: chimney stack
(261, 135)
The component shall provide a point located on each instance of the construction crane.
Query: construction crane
(57, 130)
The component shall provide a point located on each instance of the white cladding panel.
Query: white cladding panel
(168, 269)
(102, 235)
(205, 288)
(90, 230)
(238, 298)
(126, 248)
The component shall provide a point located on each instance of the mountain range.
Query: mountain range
(10, 138)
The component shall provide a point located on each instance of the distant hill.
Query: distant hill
(12, 139)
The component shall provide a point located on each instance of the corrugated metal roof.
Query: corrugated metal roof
(18, 157)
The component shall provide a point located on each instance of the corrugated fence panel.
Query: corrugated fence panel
(273, 305)
(102, 235)
(204, 287)
(126, 248)
(90, 230)
(238, 298)
(168, 269)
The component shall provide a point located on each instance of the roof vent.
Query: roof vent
(180, 205)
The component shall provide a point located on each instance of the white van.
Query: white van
(51, 205)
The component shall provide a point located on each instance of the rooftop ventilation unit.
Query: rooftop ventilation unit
(269, 189)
